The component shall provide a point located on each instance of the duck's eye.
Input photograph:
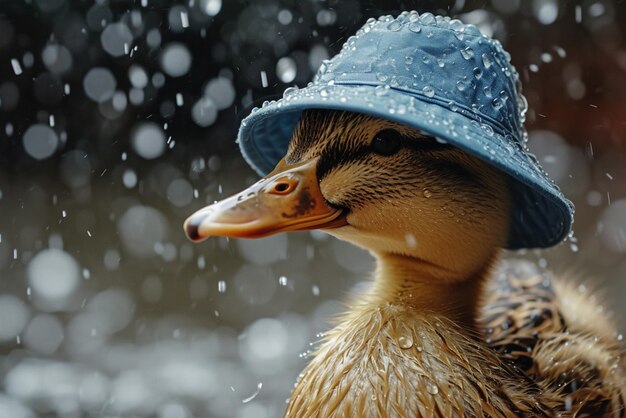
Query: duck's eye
(387, 142)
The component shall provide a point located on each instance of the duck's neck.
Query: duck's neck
(430, 289)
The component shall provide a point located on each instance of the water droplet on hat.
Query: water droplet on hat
(486, 61)
(428, 91)
(467, 52)
(487, 91)
(453, 106)
(457, 26)
(382, 77)
(324, 92)
(478, 73)
(324, 67)
(497, 103)
(509, 148)
(460, 85)
(427, 19)
(290, 91)
(394, 26)
(351, 41)
(415, 27)
(408, 60)
(427, 193)
(381, 90)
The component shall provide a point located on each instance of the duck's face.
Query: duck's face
(379, 184)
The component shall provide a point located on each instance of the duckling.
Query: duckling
(434, 217)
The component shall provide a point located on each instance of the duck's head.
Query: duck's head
(383, 186)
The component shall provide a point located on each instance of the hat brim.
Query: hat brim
(541, 215)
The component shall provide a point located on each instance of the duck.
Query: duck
(409, 143)
(429, 337)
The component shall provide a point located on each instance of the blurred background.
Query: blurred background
(118, 119)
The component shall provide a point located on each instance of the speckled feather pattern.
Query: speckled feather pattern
(559, 337)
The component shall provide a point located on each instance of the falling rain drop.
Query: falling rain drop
(254, 395)
(17, 69)
(221, 286)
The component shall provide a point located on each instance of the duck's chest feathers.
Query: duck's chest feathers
(391, 361)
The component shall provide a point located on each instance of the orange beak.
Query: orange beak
(287, 199)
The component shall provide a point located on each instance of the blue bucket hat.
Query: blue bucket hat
(437, 75)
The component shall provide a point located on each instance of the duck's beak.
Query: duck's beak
(287, 199)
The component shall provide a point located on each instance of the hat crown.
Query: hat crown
(436, 59)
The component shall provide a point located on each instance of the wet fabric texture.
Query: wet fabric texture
(437, 75)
